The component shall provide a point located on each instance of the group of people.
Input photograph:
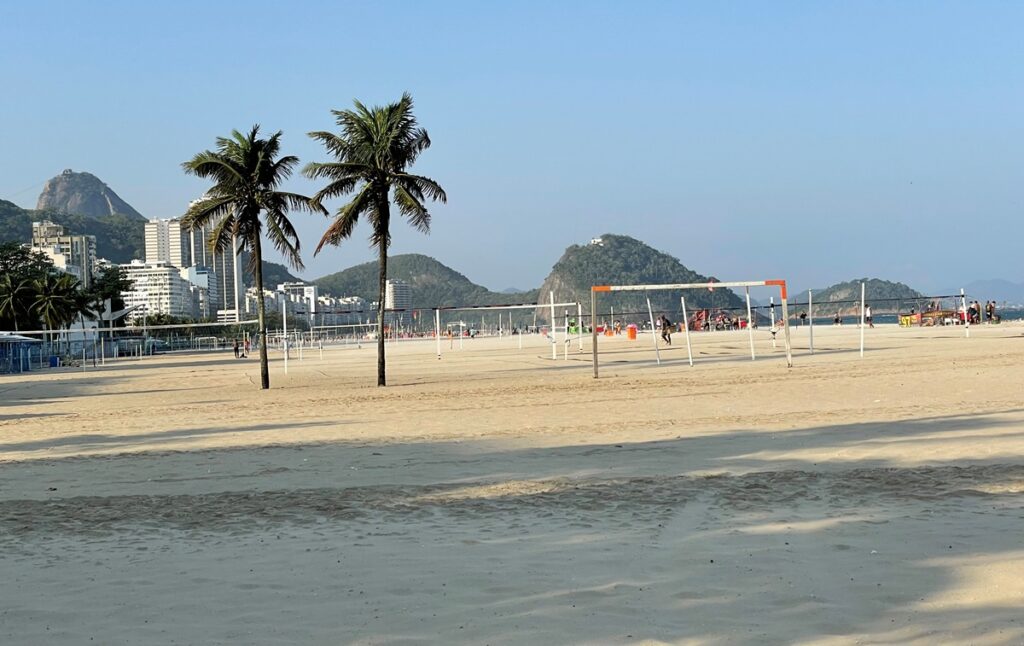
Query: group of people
(241, 349)
(974, 312)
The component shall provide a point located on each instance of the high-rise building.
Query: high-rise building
(227, 272)
(168, 241)
(159, 289)
(204, 284)
(72, 254)
(398, 296)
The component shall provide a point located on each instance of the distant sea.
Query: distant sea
(1005, 315)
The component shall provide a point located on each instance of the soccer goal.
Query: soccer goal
(571, 314)
(596, 290)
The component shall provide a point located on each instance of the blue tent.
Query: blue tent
(14, 352)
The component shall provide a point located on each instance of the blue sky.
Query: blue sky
(815, 142)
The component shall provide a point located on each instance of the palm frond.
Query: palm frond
(346, 219)
(413, 209)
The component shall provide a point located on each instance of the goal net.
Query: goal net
(748, 323)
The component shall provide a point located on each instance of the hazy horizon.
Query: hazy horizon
(813, 143)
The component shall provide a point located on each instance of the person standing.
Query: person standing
(235, 347)
(867, 316)
(666, 329)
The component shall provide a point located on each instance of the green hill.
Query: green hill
(621, 260)
(844, 298)
(431, 282)
(119, 238)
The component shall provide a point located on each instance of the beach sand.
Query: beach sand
(498, 497)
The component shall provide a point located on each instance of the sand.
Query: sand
(498, 497)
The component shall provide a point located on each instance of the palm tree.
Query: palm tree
(246, 174)
(57, 300)
(373, 151)
(15, 295)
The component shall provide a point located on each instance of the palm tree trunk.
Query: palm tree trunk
(382, 247)
(257, 252)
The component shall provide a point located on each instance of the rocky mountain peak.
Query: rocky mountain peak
(82, 194)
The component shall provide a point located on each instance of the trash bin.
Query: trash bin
(54, 361)
(631, 332)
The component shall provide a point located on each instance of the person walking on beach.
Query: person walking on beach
(235, 347)
(245, 349)
(867, 316)
(666, 329)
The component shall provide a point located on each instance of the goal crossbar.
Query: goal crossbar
(781, 284)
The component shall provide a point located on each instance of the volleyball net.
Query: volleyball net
(570, 323)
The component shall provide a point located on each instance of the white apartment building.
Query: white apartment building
(332, 310)
(398, 296)
(204, 284)
(168, 241)
(221, 271)
(72, 254)
(157, 288)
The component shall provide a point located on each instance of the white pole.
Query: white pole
(750, 328)
(772, 302)
(554, 346)
(810, 316)
(321, 342)
(284, 340)
(862, 288)
(565, 342)
(785, 322)
(686, 327)
(611, 322)
(103, 352)
(520, 335)
(654, 334)
(579, 324)
(963, 308)
(437, 331)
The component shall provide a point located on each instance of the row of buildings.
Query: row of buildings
(182, 277)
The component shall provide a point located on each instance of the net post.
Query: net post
(750, 329)
(554, 345)
(579, 325)
(565, 342)
(437, 331)
(654, 335)
(862, 290)
(810, 316)
(686, 328)
(785, 323)
(967, 319)
(593, 328)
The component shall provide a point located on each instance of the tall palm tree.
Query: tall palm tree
(247, 172)
(373, 151)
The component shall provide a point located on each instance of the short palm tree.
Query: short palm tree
(373, 152)
(247, 172)
(57, 300)
(15, 298)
